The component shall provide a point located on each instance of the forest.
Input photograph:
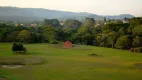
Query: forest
(104, 33)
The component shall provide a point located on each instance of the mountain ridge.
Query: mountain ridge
(21, 14)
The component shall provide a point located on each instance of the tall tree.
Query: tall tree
(137, 42)
(24, 36)
(82, 31)
(138, 30)
(112, 38)
(123, 42)
(52, 22)
(105, 19)
(71, 23)
(49, 33)
(89, 22)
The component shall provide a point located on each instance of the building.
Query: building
(67, 44)
(126, 20)
(62, 23)
(33, 25)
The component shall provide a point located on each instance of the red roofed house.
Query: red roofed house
(67, 44)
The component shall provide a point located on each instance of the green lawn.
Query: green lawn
(52, 62)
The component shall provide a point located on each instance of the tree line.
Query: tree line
(104, 33)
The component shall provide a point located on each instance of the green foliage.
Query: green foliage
(61, 34)
(138, 30)
(87, 38)
(91, 32)
(3, 34)
(24, 36)
(84, 35)
(112, 38)
(96, 30)
(70, 23)
(139, 49)
(53, 22)
(49, 33)
(135, 22)
(123, 42)
(54, 42)
(14, 47)
(12, 36)
(137, 42)
(89, 22)
(18, 47)
(83, 30)
(102, 40)
(105, 19)
(109, 27)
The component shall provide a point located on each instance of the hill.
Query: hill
(22, 14)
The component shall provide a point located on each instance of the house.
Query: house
(126, 20)
(33, 25)
(19, 25)
(67, 44)
(62, 23)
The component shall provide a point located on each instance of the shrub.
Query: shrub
(102, 45)
(18, 47)
(137, 42)
(140, 49)
(132, 50)
(14, 47)
(136, 49)
(123, 43)
(54, 42)
(93, 54)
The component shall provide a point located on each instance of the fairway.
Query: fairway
(53, 62)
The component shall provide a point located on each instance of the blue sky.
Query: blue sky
(101, 7)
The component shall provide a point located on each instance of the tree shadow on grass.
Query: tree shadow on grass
(138, 65)
(93, 54)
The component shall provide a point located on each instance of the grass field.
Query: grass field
(52, 62)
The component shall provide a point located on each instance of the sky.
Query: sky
(100, 7)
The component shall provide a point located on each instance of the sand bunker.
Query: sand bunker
(18, 62)
(14, 63)
(11, 66)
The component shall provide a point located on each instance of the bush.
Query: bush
(93, 54)
(54, 42)
(123, 43)
(140, 49)
(136, 49)
(18, 47)
(132, 50)
(102, 45)
(14, 47)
